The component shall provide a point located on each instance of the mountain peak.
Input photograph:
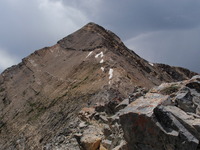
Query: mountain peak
(93, 26)
(90, 37)
(40, 98)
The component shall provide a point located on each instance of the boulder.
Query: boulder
(107, 143)
(166, 118)
(122, 105)
(138, 92)
(91, 138)
(87, 113)
(91, 142)
(184, 100)
(102, 147)
(103, 118)
(121, 146)
(82, 125)
(194, 85)
(106, 130)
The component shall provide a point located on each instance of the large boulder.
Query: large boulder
(166, 118)
(91, 138)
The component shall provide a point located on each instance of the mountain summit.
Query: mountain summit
(90, 37)
(40, 97)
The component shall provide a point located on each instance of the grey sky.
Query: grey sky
(165, 31)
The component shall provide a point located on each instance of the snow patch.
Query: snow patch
(101, 61)
(151, 64)
(110, 73)
(102, 68)
(89, 54)
(100, 54)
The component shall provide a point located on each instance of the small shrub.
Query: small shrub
(2, 89)
(170, 90)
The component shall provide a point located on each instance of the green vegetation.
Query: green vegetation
(2, 124)
(169, 90)
(32, 104)
(2, 89)
(36, 109)
(75, 86)
(24, 92)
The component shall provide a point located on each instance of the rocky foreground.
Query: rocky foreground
(167, 117)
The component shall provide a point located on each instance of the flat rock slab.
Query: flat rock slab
(166, 118)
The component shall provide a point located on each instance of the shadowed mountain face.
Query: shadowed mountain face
(41, 96)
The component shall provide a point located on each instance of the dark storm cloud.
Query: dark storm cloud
(164, 31)
(179, 48)
(26, 26)
(158, 30)
(132, 17)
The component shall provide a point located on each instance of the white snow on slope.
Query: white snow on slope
(101, 61)
(100, 54)
(89, 54)
(151, 64)
(102, 68)
(110, 73)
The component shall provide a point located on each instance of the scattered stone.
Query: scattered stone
(115, 141)
(122, 105)
(60, 139)
(138, 92)
(194, 85)
(107, 143)
(113, 119)
(107, 131)
(87, 113)
(90, 142)
(97, 116)
(121, 146)
(91, 138)
(184, 100)
(82, 125)
(78, 134)
(100, 108)
(196, 77)
(102, 147)
(103, 118)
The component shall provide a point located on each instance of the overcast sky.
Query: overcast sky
(165, 31)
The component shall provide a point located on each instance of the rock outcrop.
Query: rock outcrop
(166, 118)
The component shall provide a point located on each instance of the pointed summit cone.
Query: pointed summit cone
(42, 95)
(90, 37)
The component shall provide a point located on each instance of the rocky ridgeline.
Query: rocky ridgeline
(166, 117)
(72, 96)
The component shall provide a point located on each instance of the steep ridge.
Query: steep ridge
(41, 96)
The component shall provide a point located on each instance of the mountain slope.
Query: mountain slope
(41, 96)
